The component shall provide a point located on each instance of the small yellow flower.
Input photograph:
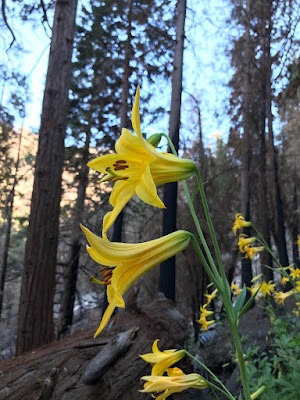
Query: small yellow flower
(204, 312)
(211, 296)
(295, 273)
(137, 168)
(233, 287)
(240, 222)
(253, 290)
(284, 280)
(267, 288)
(205, 324)
(251, 251)
(244, 241)
(162, 360)
(175, 382)
(126, 262)
(280, 297)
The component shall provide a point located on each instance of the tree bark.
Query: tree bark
(38, 283)
(246, 152)
(10, 208)
(167, 269)
(71, 273)
(278, 217)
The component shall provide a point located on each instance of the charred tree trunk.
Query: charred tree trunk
(70, 278)
(10, 208)
(167, 269)
(246, 153)
(38, 283)
(278, 217)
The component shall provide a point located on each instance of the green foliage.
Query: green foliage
(278, 368)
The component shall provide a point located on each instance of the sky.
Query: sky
(206, 70)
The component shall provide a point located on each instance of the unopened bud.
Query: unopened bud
(154, 139)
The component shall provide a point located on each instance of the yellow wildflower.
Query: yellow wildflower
(211, 296)
(253, 290)
(280, 297)
(233, 287)
(162, 360)
(267, 288)
(204, 323)
(295, 273)
(284, 280)
(175, 382)
(240, 222)
(244, 240)
(126, 262)
(251, 251)
(204, 312)
(137, 168)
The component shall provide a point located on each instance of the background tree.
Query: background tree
(36, 323)
(167, 269)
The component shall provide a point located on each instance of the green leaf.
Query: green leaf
(248, 304)
(240, 301)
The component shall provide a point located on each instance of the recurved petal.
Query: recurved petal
(120, 195)
(135, 118)
(146, 190)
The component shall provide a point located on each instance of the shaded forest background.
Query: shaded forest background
(118, 45)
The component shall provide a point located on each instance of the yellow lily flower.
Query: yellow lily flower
(244, 241)
(175, 382)
(295, 273)
(284, 280)
(211, 296)
(267, 288)
(251, 251)
(280, 297)
(253, 290)
(162, 360)
(204, 312)
(240, 222)
(126, 262)
(204, 323)
(137, 168)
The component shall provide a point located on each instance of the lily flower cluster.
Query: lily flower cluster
(175, 380)
(136, 168)
(245, 242)
(204, 312)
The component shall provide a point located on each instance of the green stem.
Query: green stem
(266, 246)
(214, 279)
(224, 389)
(210, 225)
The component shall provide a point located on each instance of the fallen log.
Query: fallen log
(61, 370)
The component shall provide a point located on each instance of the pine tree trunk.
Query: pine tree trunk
(167, 269)
(36, 325)
(10, 207)
(71, 272)
(246, 152)
(278, 217)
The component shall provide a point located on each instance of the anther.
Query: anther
(121, 162)
(120, 178)
(103, 269)
(107, 273)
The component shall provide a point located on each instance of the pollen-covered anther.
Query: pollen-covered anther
(120, 165)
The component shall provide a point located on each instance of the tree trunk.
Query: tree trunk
(278, 217)
(246, 152)
(71, 273)
(38, 283)
(167, 269)
(10, 208)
